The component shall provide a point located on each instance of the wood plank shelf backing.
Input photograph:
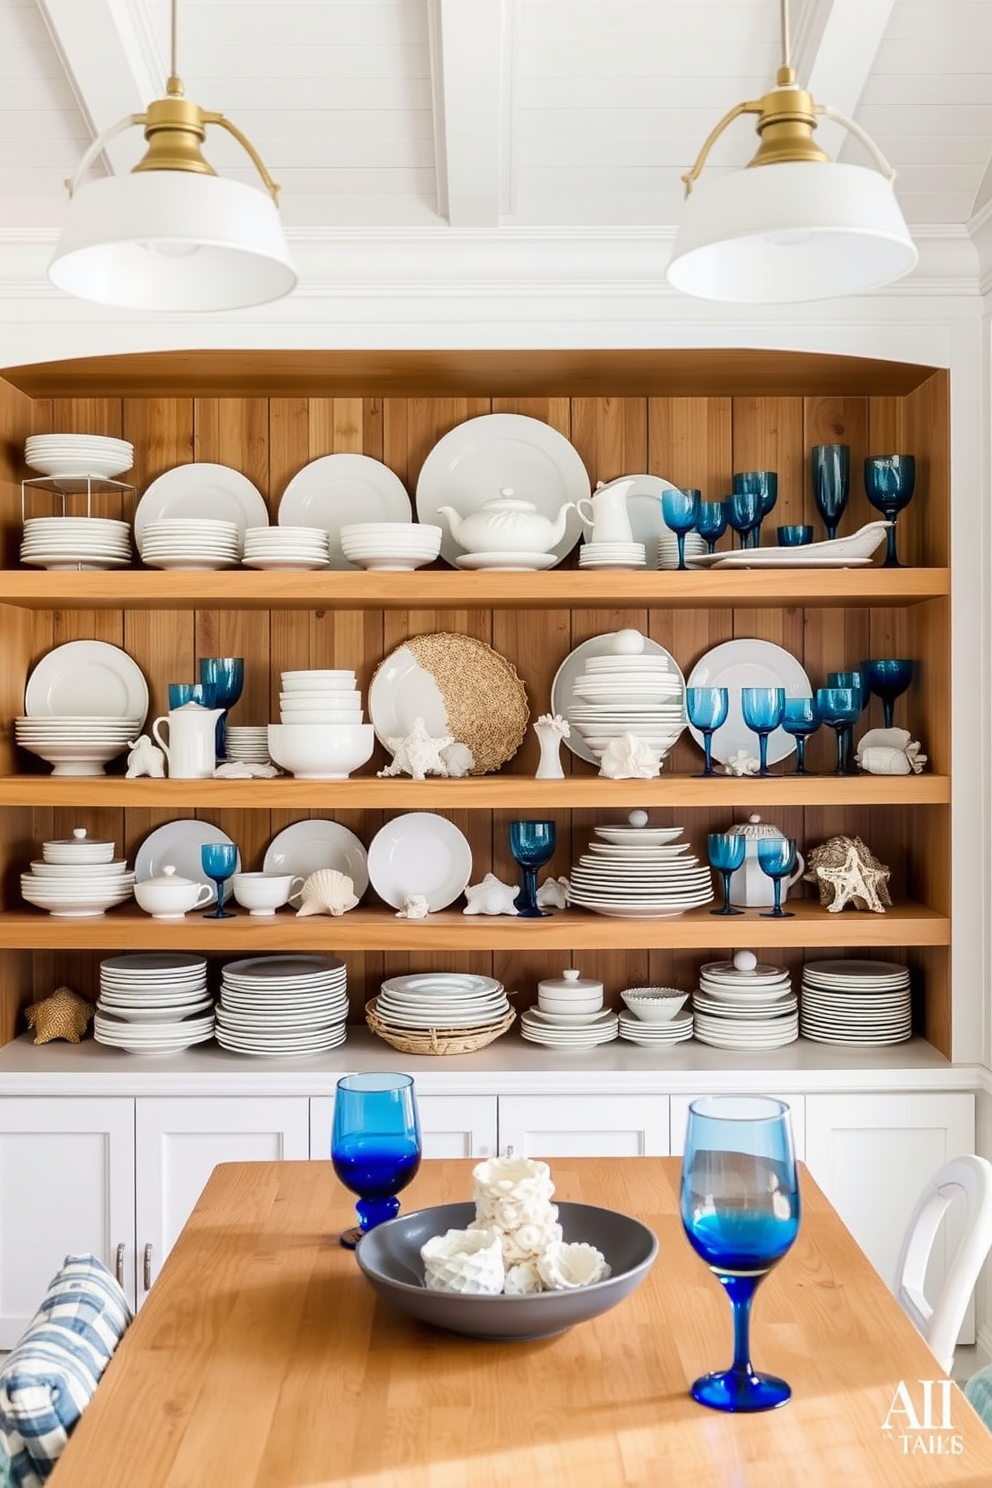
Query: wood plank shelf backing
(693, 417)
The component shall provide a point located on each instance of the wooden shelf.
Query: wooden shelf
(906, 924)
(485, 793)
(447, 589)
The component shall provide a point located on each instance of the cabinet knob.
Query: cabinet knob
(148, 1268)
(119, 1264)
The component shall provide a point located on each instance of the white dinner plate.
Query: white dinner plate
(420, 853)
(292, 968)
(178, 843)
(562, 693)
(308, 846)
(401, 692)
(852, 969)
(478, 459)
(638, 836)
(507, 562)
(748, 663)
(336, 490)
(86, 679)
(201, 491)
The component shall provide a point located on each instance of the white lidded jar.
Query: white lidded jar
(750, 887)
(570, 993)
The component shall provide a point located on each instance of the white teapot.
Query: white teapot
(507, 525)
(750, 886)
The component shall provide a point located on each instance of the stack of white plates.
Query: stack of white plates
(745, 1009)
(653, 1035)
(82, 455)
(190, 543)
(569, 1030)
(668, 548)
(273, 1006)
(323, 697)
(631, 881)
(612, 555)
(64, 543)
(248, 742)
(390, 546)
(286, 548)
(154, 1003)
(76, 745)
(856, 1002)
(642, 694)
(77, 879)
(440, 1000)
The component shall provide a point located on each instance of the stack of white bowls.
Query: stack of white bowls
(642, 694)
(612, 555)
(321, 735)
(569, 1014)
(396, 547)
(153, 1003)
(64, 543)
(653, 1020)
(190, 543)
(291, 548)
(77, 878)
(76, 745)
(248, 743)
(83, 456)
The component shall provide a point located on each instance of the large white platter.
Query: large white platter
(573, 667)
(401, 692)
(475, 461)
(420, 853)
(178, 843)
(307, 846)
(202, 491)
(748, 663)
(87, 679)
(336, 490)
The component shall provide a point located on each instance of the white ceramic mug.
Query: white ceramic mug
(264, 893)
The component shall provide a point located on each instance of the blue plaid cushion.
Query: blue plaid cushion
(49, 1378)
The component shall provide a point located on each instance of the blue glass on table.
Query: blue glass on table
(739, 1202)
(726, 854)
(204, 693)
(777, 858)
(764, 483)
(227, 673)
(744, 515)
(706, 709)
(800, 719)
(888, 678)
(890, 481)
(219, 860)
(532, 844)
(680, 509)
(830, 468)
(794, 535)
(839, 708)
(711, 523)
(762, 709)
(375, 1145)
(859, 683)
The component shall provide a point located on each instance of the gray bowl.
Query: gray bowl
(390, 1257)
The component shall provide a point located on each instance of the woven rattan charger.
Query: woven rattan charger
(437, 1040)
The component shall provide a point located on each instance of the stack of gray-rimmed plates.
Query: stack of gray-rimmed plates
(153, 1003)
(569, 1030)
(631, 880)
(848, 1001)
(655, 1035)
(279, 1006)
(440, 1000)
(745, 1009)
(189, 543)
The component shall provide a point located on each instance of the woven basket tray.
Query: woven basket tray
(437, 1040)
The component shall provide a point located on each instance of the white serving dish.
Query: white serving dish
(655, 1004)
(321, 751)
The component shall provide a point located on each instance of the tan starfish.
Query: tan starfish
(63, 1015)
(853, 880)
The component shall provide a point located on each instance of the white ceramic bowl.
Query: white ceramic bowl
(323, 715)
(76, 759)
(264, 893)
(654, 1004)
(321, 751)
(584, 1002)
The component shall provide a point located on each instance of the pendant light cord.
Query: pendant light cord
(174, 85)
(786, 46)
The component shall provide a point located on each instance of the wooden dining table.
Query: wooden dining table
(262, 1358)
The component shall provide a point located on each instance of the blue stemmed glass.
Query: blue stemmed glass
(890, 481)
(711, 523)
(706, 708)
(800, 718)
(777, 858)
(888, 679)
(739, 1202)
(204, 693)
(830, 467)
(227, 673)
(762, 709)
(680, 509)
(532, 844)
(726, 854)
(859, 684)
(375, 1145)
(839, 708)
(765, 485)
(219, 860)
(744, 514)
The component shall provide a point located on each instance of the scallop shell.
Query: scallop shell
(464, 1261)
(327, 892)
(564, 1267)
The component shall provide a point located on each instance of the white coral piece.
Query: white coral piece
(629, 758)
(525, 1243)
(564, 1267)
(553, 893)
(417, 753)
(742, 763)
(458, 759)
(415, 907)
(245, 770)
(509, 1213)
(464, 1261)
(327, 892)
(505, 1175)
(491, 897)
(554, 723)
(523, 1279)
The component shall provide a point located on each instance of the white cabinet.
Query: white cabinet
(450, 1125)
(584, 1125)
(680, 1115)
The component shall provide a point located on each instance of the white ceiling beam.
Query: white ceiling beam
(834, 51)
(467, 48)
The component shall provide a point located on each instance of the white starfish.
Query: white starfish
(417, 753)
(491, 897)
(853, 880)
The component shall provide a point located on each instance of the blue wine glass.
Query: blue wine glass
(839, 708)
(800, 719)
(680, 509)
(744, 514)
(739, 1203)
(726, 854)
(375, 1145)
(227, 673)
(890, 481)
(888, 679)
(204, 693)
(707, 708)
(830, 467)
(859, 684)
(765, 484)
(777, 858)
(219, 860)
(711, 523)
(532, 844)
(762, 709)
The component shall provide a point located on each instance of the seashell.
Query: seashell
(327, 892)
(564, 1267)
(629, 758)
(415, 907)
(458, 758)
(884, 761)
(523, 1279)
(553, 893)
(464, 1261)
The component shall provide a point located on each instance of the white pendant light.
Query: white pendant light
(793, 225)
(172, 235)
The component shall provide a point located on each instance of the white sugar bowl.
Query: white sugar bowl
(750, 886)
(570, 993)
(169, 895)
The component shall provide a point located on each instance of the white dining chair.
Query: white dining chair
(969, 1178)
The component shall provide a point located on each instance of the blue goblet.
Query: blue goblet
(794, 535)
(859, 684)
(744, 514)
(726, 854)
(711, 523)
(219, 861)
(888, 679)
(204, 693)
(680, 509)
(839, 708)
(777, 858)
(800, 718)
(532, 844)
(762, 709)
(227, 673)
(830, 467)
(739, 1203)
(706, 708)
(765, 484)
(375, 1145)
(890, 481)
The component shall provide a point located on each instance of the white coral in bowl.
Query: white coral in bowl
(562, 1266)
(523, 1279)
(511, 1213)
(464, 1261)
(508, 1175)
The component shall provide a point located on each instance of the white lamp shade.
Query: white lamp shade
(172, 240)
(776, 234)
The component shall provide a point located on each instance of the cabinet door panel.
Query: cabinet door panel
(66, 1185)
(584, 1125)
(680, 1115)
(450, 1125)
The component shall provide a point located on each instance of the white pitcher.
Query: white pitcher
(191, 748)
(607, 512)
